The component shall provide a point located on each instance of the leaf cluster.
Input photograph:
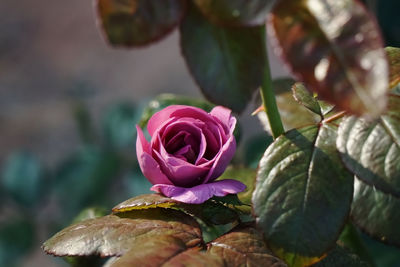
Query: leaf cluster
(338, 165)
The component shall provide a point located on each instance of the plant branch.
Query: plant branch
(268, 97)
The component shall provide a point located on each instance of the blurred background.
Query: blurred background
(68, 107)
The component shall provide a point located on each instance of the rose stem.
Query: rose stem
(268, 96)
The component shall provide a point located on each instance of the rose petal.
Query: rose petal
(222, 160)
(150, 168)
(224, 116)
(176, 111)
(200, 193)
(213, 142)
(180, 172)
(142, 145)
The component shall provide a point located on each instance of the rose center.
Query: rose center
(183, 145)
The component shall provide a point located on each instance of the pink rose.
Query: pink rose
(189, 149)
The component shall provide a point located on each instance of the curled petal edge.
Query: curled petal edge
(200, 193)
(150, 168)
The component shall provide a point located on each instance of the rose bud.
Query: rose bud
(189, 149)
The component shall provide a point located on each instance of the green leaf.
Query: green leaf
(335, 48)
(304, 97)
(228, 200)
(371, 149)
(148, 201)
(23, 178)
(84, 179)
(244, 175)
(164, 100)
(235, 12)
(393, 54)
(303, 194)
(376, 213)
(211, 212)
(226, 63)
(119, 125)
(341, 257)
(16, 239)
(133, 23)
(113, 236)
(243, 246)
(292, 114)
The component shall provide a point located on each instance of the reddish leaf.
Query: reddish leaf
(194, 258)
(113, 236)
(165, 251)
(243, 247)
(138, 22)
(334, 46)
(235, 12)
(153, 252)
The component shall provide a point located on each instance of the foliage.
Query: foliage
(336, 165)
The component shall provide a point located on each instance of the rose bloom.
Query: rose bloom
(189, 149)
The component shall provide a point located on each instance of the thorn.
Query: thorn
(259, 109)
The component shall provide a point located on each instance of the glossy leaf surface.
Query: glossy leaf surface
(235, 12)
(305, 97)
(194, 258)
(145, 202)
(138, 22)
(303, 194)
(334, 47)
(227, 63)
(376, 213)
(243, 246)
(153, 252)
(371, 149)
(112, 235)
(164, 251)
(393, 54)
(211, 212)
